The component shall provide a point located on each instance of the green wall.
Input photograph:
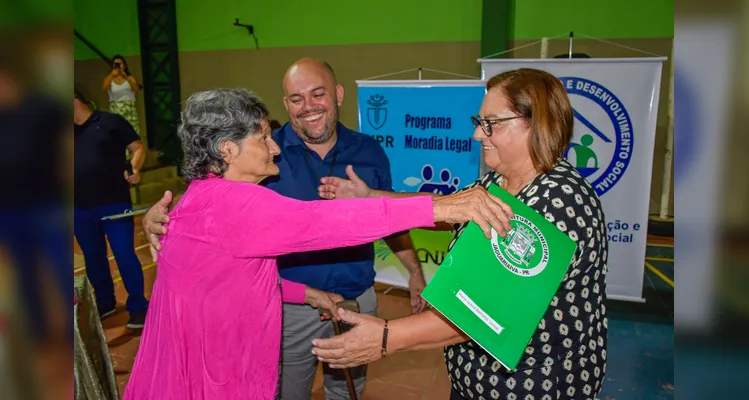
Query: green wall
(331, 22)
(111, 25)
(623, 19)
(207, 25)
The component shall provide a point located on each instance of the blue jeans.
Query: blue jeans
(90, 232)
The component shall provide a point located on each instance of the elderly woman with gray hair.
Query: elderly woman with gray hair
(213, 329)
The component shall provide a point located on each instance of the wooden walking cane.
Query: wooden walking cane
(348, 305)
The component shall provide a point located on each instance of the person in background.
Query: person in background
(122, 87)
(524, 125)
(102, 188)
(35, 242)
(315, 144)
(214, 327)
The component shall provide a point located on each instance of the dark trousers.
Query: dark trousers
(90, 231)
(37, 240)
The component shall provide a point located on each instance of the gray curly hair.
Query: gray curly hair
(212, 117)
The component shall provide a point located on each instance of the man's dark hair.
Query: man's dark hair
(79, 95)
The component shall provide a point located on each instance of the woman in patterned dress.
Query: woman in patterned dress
(524, 125)
(122, 87)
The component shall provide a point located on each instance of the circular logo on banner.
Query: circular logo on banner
(524, 250)
(603, 139)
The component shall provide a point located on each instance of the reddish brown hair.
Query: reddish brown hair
(540, 97)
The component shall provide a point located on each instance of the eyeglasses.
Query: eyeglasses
(486, 124)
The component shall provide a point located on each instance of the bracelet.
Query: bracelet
(384, 351)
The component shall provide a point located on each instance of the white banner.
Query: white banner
(616, 105)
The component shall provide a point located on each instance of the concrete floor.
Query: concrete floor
(641, 351)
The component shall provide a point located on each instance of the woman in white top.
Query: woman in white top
(122, 87)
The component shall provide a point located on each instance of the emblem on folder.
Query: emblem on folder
(524, 250)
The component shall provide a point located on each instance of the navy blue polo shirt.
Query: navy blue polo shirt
(347, 271)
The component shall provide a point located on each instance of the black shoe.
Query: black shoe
(137, 320)
(106, 312)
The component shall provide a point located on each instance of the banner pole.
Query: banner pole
(570, 50)
(419, 73)
(544, 47)
(669, 152)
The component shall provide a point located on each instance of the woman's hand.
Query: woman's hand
(475, 204)
(324, 301)
(338, 188)
(153, 223)
(361, 345)
(134, 178)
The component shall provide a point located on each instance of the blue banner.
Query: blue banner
(426, 132)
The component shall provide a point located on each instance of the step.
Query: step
(157, 174)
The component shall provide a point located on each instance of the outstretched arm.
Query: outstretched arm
(242, 212)
(254, 221)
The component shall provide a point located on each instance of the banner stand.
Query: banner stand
(615, 104)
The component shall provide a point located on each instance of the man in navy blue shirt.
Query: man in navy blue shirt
(313, 145)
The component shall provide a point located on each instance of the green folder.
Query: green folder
(498, 290)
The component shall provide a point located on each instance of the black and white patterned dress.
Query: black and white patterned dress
(566, 357)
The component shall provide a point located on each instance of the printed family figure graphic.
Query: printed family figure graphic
(445, 186)
(584, 154)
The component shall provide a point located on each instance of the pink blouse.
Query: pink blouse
(213, 329)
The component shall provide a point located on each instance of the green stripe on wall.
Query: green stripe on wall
(112, 25)
(282, 23)
(622, 19)
(207, 25)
